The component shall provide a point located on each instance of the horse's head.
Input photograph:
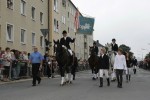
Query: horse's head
(109, 47)
(58, 47)
(92, 51)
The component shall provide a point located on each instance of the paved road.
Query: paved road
(82, 89)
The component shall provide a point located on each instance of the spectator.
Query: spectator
(6, 62)
(36, 59)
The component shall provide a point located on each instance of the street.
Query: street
(83, 88)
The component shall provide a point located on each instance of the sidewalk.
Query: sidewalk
(29, 79)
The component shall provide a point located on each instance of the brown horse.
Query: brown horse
(93, 62)
(64, 61)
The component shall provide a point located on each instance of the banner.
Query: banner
(86, 25)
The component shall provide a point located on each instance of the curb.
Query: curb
(29, 79)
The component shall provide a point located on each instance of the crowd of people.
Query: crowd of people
(15, 65)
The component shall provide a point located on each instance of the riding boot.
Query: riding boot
(108, 82)
(127, 78)
(135, 71)
(74, 76)
(101, 82)
(62, 80)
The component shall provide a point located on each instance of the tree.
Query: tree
(125, 48)
(147, 56)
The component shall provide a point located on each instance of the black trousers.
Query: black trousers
(73, 71)
(35, 72)
(50, 70)
(119, 75)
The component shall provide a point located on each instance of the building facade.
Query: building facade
(20, 24)
(62, 18)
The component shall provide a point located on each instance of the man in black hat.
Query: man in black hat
(95, 48)
(65, 41)
(114, 45)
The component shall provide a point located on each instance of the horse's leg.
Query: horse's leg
(92, 72)
(72, 74)
(67, 74)
(97, 73)
(62, 75)
(113, 75)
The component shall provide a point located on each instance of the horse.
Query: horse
(64, 61)
(93, 62)
(111, 55)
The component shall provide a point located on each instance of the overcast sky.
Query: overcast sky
(126, 20)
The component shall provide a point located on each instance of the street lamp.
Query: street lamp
(142, 53)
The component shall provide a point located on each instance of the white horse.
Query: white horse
(111, 55)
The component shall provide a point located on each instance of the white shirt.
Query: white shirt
(120, 62)
(6, 56)
(65, 38)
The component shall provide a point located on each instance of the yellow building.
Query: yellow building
(62, 18)
(20, 24)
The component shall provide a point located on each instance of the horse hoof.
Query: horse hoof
(62, 84)
(93, 78)
(70, 82)
(67, 82)
(113, 80)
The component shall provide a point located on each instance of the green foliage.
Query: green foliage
(147, 56)
(125, 48)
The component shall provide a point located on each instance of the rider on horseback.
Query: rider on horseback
(95, 48)
(65, 41)
(114, 46)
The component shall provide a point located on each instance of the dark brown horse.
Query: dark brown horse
(64, 61)
(93, 62)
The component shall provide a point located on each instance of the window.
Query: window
(56, 5)
(64, 3)
(68, 29)
(63, 20)
(85, 45)
(10, 4)
(41, 41)
(33, 39)
(23, 4)
(41, 17)
(57, 27)
(55, 23)
(9, 32)
(23, 35)
(33, 12)
(68, 14)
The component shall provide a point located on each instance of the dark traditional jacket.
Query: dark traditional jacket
(95, 49)
(129, 63)
(114, 47)
(66, 42)
(104, 62)
(134, 62)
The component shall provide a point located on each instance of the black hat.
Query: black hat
(94, 43)
(64, 32)
(113, 39)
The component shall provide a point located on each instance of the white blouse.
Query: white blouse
(120, 62)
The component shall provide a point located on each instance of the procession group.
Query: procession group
(110, 63)
(123, 62)
(114, 66)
